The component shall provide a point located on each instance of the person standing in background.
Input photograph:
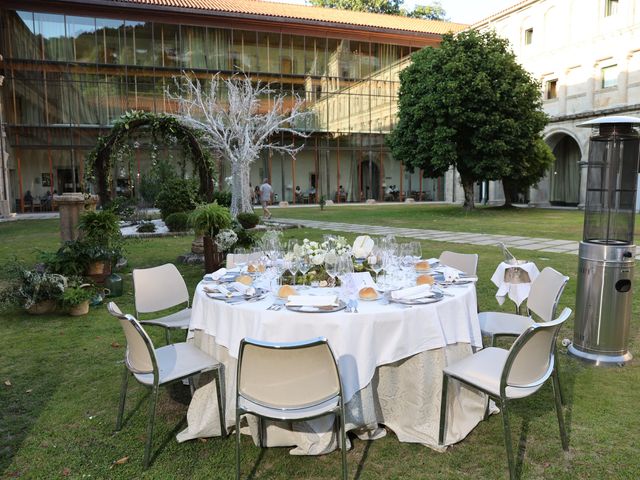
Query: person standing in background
(265, 197)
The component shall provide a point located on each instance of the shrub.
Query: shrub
(123, 207)
(223, 198)
(210, 219)
(177, 195)
(146, 227)
(248, 220)
(177, 222)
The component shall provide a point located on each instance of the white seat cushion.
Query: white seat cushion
(178, 360)
(500, 323)
(290, 413)
(179, 319)
(484, 370)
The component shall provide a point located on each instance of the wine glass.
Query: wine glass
(304, 265)
(291, 245)
(240, 257)
(331, 264)
(415, 249)
(375, 261)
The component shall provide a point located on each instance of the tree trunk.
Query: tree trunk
(467, 184)
(212, 258)
(240, 189)
(510, 189)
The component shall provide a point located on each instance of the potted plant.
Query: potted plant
(76, 297)
(100, 242)
(248, 220)
(208, 220)
(35, 291)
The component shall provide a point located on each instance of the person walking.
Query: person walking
(265, 197)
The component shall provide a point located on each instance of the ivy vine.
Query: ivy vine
(117, 147)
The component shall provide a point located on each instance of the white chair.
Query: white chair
(160, 288)
(543, 300)
(290, 382)
(506, 375)
(465, 262)
(156, 367)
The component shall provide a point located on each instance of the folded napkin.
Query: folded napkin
(243, 289)
(218, 289)
(450, 274)
(312, 300)
(411, 293)
(217, 275)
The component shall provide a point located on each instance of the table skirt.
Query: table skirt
(404, 396)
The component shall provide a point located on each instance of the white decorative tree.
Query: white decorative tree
(239, 126)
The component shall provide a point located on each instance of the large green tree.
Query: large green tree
(470, 105)
(391, 7)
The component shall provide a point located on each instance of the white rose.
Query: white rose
(318, 259)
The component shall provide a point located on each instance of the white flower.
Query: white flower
(225, 240)
(318, 259)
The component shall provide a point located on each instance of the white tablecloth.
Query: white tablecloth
(517, 292)
(390, 359)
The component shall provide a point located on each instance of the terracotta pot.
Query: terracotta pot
(212, 258)
(98, 270)
(43, 307)
(81, 309)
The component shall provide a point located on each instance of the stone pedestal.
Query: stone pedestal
(71, 205)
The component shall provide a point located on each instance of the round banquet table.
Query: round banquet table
(390, 358)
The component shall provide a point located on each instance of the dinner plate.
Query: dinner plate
(460, 281)
(369, 299)
(324, 309)
(433, 298)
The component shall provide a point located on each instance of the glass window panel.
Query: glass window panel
(19, 40)
(270, 42)
(82, 34)
(170, 46)
(139, 43)
(610, 76)
(145, 93)
(83, 94)
(244, 51)
(58, 100)
(29, 105)
(110, 36)
(57, 46)
(218, 41)
(194, 46)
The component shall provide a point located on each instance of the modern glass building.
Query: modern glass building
(72, 67)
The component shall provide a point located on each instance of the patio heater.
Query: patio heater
(607, 253)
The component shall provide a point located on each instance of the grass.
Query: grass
(59, 412)
(528, 222)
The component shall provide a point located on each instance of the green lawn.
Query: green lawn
(59, 412)
(528, 222)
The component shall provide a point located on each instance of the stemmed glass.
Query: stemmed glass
(240, 258)
(304, 265)
(415, 250)
(291, 245)
(331, 264)
(375, 261)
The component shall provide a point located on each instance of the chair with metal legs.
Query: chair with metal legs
(156, 367)
(160, 288)
(289, 382)
(506, 375)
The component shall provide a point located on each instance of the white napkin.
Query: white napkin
(411, 293)
(218, 289)
(450, 274)
(362, 246)
(312, 300)
(243, 289)
(217, 275)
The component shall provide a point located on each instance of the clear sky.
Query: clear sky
(461, 11)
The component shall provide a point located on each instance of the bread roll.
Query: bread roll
(262, 268)
(424, 280)
(286, 290)
(244, 279)
(252, 269)
(422, 266)
(368, 293)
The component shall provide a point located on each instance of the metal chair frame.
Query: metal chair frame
(503, 400)
(129, 370)
(338, 410)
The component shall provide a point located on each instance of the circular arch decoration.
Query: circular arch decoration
(162, 127)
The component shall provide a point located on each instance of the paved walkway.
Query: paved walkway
(524, 243)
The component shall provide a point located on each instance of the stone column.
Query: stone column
(71, 205)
